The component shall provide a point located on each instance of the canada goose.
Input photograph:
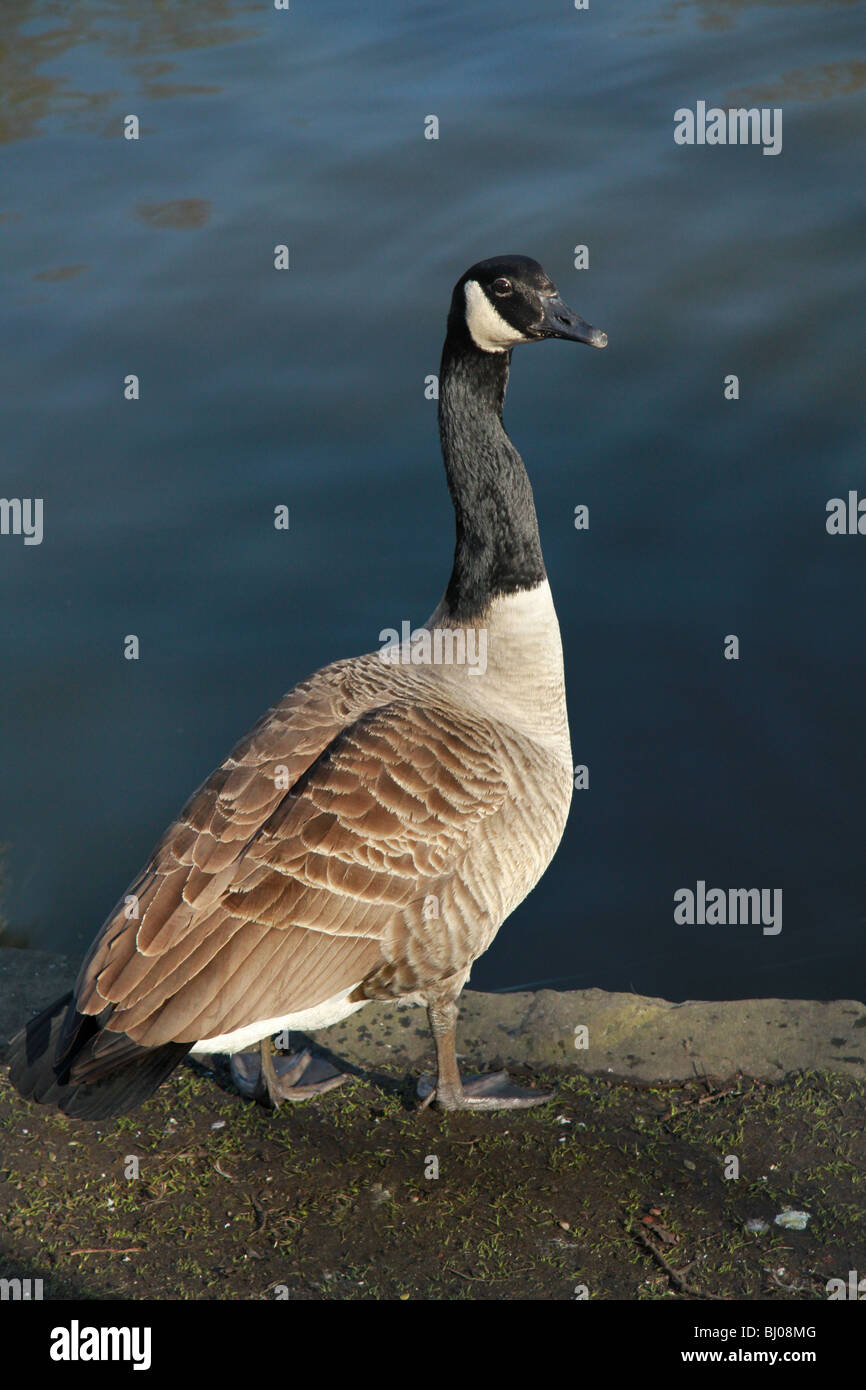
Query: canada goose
(369, 836)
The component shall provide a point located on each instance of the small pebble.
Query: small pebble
(793, 1220)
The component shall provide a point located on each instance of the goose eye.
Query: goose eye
(502, 286)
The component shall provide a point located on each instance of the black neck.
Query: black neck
(498, 550)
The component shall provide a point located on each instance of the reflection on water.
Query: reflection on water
(805, 84)
(180, 212)
(725, 16)
(156, 91)
(34, 35)
(306, 389)
(61, 272)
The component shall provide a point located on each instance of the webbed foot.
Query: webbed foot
(271, 1079)
(493, 1091)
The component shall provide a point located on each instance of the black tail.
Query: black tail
(65, 1058)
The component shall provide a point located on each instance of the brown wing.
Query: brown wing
(262, 901)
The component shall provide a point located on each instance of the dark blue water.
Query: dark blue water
(707, 516)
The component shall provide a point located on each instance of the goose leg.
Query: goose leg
(491, 1092)
(270, 1080)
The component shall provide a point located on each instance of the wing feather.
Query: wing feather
(305, 865)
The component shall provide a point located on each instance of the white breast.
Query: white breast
(523, 683)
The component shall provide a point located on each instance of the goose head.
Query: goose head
(507, 300)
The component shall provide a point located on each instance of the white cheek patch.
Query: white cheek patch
(488, 329)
